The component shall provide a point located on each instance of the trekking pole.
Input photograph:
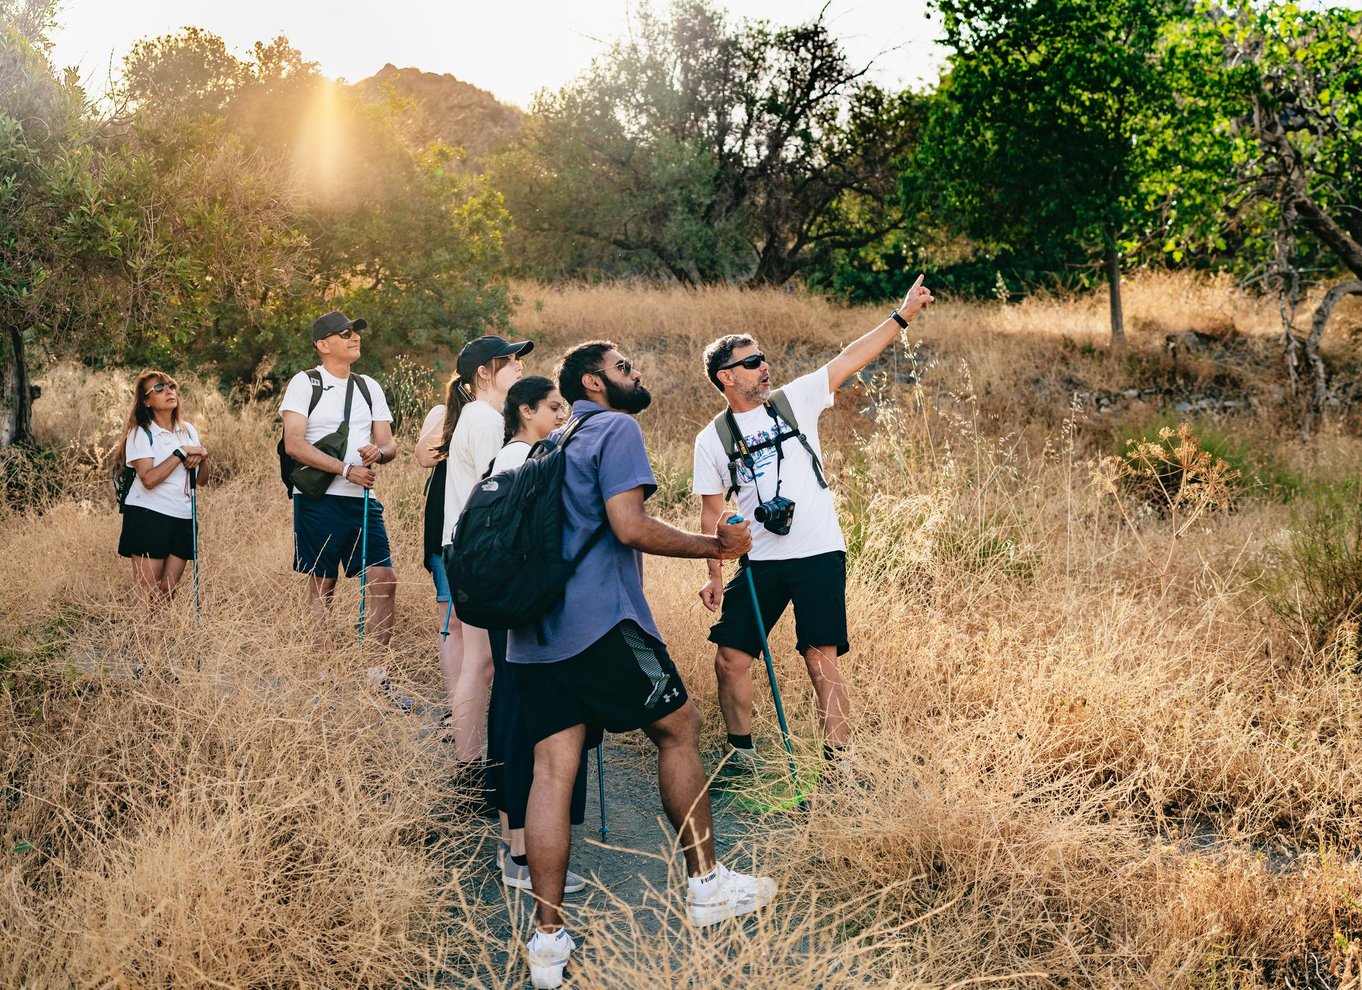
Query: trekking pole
(600, 783)
(444, 633)
(770, 666)
(194, 516)
(363, 565)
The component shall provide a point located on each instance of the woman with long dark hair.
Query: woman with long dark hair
(162, 449)
(533, 409)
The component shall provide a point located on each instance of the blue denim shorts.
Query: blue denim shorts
(437, 573)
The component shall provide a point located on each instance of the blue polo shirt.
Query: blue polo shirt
(606, 457)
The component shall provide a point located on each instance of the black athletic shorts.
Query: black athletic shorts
(148, 533)
(623, 681)
(816, 585)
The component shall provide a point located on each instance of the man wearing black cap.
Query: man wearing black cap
(327, 530)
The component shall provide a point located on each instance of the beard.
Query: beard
(631, 399)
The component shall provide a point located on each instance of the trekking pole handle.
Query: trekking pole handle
(193, 478)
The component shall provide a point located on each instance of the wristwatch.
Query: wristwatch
(897, 318)
(180, 454)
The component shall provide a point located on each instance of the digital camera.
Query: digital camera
(776, 514)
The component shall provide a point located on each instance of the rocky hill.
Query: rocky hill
(441, 107)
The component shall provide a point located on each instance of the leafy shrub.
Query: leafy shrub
(1316, 585)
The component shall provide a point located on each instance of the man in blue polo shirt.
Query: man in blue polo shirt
(597, 661)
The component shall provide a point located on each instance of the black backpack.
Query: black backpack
(287, 463)
(122, 480)
(506, 564)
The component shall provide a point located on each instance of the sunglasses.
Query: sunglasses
(626, 368)
(346, 334)
(160, 387)
(752, 362)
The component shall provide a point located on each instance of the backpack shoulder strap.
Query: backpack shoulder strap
(349, 398)
(724, 425)
(781, 404)
(315, 377)
(147, 431)
(363, 384)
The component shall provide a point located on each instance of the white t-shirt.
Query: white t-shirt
(512, 455)
(171, 496)
(326, 418)
(814, 529)
(476, 440)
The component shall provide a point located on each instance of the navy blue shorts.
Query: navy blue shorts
(326, 533)
(816, 586)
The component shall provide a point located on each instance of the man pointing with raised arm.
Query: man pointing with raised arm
(764, 449)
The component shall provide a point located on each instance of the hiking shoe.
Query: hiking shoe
(725, 894)
(739, 770)
(503, 852)
(515, 875)
(548, 955)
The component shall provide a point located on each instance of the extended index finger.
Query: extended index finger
(918, 284)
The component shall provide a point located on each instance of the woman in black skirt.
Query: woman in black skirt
(532, 411)
(157, 519)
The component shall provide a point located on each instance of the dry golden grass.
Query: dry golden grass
(1089, 757)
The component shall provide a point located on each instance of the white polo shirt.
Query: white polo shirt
(171, 496)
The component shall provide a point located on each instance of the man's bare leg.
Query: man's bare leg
(381, 592)
(681, 783)
(320, 591)
(548, 828)
(830, 692)
(732, 669)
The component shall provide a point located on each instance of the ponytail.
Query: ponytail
(457, 395)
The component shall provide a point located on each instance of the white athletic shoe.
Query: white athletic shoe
(548, 955)
(724, 894)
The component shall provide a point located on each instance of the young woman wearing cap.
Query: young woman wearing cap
(470, 431)
(157, 517)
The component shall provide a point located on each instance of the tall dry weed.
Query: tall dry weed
(1086, 753)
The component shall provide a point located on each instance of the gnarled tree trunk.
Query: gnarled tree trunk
(1322, 314)
(16, 391)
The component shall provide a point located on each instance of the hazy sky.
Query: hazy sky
(510, 47)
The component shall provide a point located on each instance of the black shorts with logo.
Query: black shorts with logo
(816, 585)
(623, 681)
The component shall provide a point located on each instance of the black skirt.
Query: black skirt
(148, 533)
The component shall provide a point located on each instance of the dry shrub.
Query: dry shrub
(1087, 756)
(178, 833)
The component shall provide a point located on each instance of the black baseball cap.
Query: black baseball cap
(334, 322)
(480, 350)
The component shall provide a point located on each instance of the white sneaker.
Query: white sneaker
(725, 894)
(548, 955)
(515, 875)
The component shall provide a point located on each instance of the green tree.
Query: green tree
(705, 151)
(397, 232)
(1036, 142)
(116, 240)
